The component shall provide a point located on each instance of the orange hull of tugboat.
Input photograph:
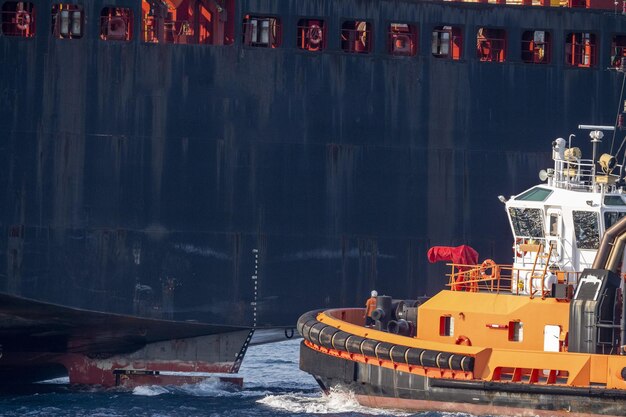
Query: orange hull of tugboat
(486, 365)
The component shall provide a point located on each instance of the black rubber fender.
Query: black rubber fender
(306, 328)
(338, 341)
(398, 354)
(326, 336)
(413, 355)
(383, 351)
(455, 362)
(353, 344)
(443, 359)
(368, 347)
(428, 358)
(315, 331)
(467, 364)
(305, 318)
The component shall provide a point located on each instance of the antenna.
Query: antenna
(596, 136)
(595, 127)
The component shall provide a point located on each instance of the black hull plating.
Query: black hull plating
(375, 385)
(150, 179)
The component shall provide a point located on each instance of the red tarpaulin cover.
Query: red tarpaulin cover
(463, 255)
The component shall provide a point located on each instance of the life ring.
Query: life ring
(315, 34)
(22, 20)
(486, 265)
(463, 340)
(362, 29)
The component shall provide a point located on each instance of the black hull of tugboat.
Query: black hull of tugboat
(376, 386)
(241, 186)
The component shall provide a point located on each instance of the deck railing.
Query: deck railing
(495, 278)
(580, 174)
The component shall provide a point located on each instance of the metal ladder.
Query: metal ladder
(541, 273)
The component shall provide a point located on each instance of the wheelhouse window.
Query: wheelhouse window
(402, 39)
(613, 200)
(67, 21)
(536, 47)
(185, 22)
(447, 42)
(612, 217)
(553, 224)
(116, 24)
(18, 19)
(535, 194)
(580, 49)
(527, 222)
(261, 31)
(586, 228)
(311, 35)
(618, 51)
(491, 45)
(356, 37)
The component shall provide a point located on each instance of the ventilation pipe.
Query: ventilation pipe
(609, 257)
(611, 247)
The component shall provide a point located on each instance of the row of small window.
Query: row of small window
(446, 41)
(356, 36)
(528, 223)
(20, 19)
(190, 22)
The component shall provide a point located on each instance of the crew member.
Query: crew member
(370, 306)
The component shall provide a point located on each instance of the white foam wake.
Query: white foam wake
(149, 390)
(338, 401)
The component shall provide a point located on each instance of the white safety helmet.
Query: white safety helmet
(374, 293)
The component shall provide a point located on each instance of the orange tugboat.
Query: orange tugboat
(536, 335)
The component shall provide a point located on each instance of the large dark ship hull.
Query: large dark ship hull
(42, 341)
(239, 185)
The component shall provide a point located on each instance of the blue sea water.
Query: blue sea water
(273, 386)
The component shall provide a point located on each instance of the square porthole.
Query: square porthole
(311, 35)
(116, 24)
(447, 42)
(446, 326)
(261, 31)
(402, 39)
(516, 331)
(18, 19)
(67, 21)
(356, 37)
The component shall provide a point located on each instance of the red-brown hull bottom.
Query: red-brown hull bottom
(476, 409)
(169, 362)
